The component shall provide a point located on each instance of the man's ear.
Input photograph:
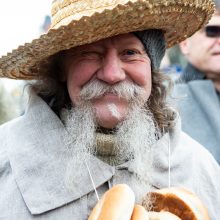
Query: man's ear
(184, 46)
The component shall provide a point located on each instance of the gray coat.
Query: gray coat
(33, 161)
(199, 107)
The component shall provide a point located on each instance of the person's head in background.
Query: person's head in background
(202, 49)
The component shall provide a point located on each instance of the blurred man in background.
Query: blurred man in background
(199, 86)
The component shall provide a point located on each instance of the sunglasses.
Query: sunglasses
(212, 31)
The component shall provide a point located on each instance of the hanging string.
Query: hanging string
(169, 162)
(93, 184)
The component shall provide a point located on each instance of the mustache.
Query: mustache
(126, 90)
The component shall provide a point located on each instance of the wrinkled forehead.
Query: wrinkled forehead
(122, 40)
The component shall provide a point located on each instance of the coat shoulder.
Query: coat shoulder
(194, 147)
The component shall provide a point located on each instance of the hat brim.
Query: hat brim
(178, 19)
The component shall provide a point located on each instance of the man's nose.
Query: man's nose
(111, 71)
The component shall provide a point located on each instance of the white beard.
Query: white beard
(134, 138)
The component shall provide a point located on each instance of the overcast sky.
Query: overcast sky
(20, 22)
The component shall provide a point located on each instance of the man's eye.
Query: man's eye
(130, 52)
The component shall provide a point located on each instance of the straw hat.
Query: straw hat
(78, 22)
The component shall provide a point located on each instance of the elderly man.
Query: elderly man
(98, 116)
(199, 86)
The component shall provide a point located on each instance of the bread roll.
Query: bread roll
(181, 202)
(139, 213)
(162, 216)
(116, 204)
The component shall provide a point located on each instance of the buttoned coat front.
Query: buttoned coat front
(33, 161)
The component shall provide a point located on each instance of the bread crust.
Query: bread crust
(139, 213)
(179, 201)
(116, 204)
(162, 216)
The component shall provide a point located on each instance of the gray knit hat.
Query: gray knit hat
(154, 44)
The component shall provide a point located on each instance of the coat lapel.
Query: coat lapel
(39, 159)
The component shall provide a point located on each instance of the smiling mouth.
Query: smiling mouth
(216, 53)
(109, 94)
(111, 97)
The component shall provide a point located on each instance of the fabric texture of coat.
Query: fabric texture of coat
(33, 160)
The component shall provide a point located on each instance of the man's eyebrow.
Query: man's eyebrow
(131, 40)
(77, 51)
(131, 44)
(92, 47)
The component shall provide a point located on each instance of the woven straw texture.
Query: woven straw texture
(78, 22)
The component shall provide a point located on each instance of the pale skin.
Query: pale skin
(204, 52)
(112, 60)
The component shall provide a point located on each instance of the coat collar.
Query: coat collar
(191, 73)
(39, 162)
